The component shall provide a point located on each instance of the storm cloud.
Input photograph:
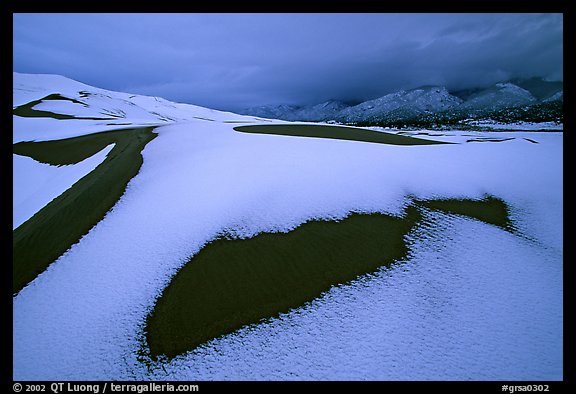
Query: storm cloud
(231, 61)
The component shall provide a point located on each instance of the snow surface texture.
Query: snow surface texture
(35, 184)
(469, 302)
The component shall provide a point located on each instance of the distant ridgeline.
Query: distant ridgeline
(536, 113)
(530, 100)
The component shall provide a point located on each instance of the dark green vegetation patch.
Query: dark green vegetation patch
(62, 222)
(490, 210)
(336, 132)
(231, 283)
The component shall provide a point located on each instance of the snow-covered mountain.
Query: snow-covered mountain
(541, 89)
(400, 105)
(420, 102)
(318, 112)
(281, 111)
(325, 111)
(72, 99)
(498, 96)
(405, 103)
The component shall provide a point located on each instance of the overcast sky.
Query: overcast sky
(231, 61)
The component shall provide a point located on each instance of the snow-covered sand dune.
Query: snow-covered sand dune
(470, 301)
(35, 184)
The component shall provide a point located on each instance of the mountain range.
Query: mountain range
(533, 99)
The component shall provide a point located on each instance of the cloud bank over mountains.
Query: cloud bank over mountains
(232, 61)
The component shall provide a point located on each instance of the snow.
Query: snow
(470, 302)
(415, 101)
(30, 87)
(501, 95)
(100, 103)
(35, 184)
(492, 124)
(46, 129)
(556, 96)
